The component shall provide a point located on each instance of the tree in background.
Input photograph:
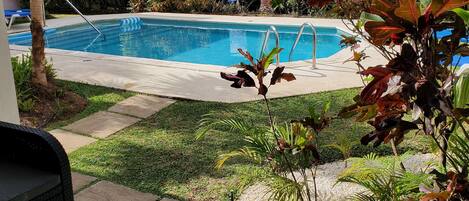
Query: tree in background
(137, 5)
(266, 6)
(39, 78)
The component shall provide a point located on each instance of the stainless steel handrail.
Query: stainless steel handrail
(92, 42)
(300, 32)
(83, 16)
(266, 39)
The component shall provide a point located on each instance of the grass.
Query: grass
(99, 99)
(160, 155)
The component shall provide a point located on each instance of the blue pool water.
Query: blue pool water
(185, 41)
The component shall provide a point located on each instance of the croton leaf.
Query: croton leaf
(381, 32)
(441, 196)
(364, 112)
(247, 67)
(438, 7)
(463, 13)
(408, 10)
(373, 91)
(382, 5)
(240, 79)
(388, 129)
(391, 104)
(358, 56)
(365, 17)
(278, 75)
(248, 56)
(263, 90)
(268, 59)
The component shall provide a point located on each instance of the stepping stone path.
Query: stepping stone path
(99, 126)
(105, 190)
(80, 181)
(102, 124)
(71, 141)
(141, 106)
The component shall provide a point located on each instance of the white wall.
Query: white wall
(11, 4)
(8, 105)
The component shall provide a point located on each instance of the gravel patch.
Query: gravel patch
(326, 179)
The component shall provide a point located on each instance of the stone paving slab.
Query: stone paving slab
(71, 141)
(141, 106)
(105, 190)
(79, 181)
(102, 124)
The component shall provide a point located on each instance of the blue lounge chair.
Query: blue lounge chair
(11, 15)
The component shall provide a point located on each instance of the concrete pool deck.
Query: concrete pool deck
(197, 81)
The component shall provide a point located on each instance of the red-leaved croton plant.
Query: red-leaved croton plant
(414, 90)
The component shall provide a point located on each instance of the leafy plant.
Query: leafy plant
(137, 5)
(343, 144)
(419, 78)
(382, 179)
(285, 148)
(22, 73)
(461, 90)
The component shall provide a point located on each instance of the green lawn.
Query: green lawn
(160, 155)
(99, 99)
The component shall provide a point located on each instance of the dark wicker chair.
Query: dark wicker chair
(33, 166)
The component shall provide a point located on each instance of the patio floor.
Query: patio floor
(196, 81)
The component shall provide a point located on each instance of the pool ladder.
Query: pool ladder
(300, 32)
(85, 18)
(266, 39)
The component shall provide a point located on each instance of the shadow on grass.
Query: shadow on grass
(98, 99)
(160, 155)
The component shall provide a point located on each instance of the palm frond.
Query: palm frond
(362, 196)
(260, 147)
(383, 179)
(458, 149)
(285, 189)
(461, 91)
(212, 121)
(245, 152)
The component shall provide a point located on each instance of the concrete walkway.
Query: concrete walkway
(197, 81)
(99, 126)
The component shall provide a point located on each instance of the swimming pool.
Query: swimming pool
(185, 41)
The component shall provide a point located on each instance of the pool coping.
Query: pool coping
(336, 59)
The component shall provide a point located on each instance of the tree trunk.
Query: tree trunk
(39, 77)
(266, 6)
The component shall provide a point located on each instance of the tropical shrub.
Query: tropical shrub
(416, 89)
(85, 6)
(193, 6)
(22, 73)
(137, 5)
(383, 179)
(285, 148)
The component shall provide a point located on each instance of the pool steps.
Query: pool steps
(314, 42)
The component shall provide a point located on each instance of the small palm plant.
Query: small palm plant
(287, 148)
(383, 179)
(343, 144)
